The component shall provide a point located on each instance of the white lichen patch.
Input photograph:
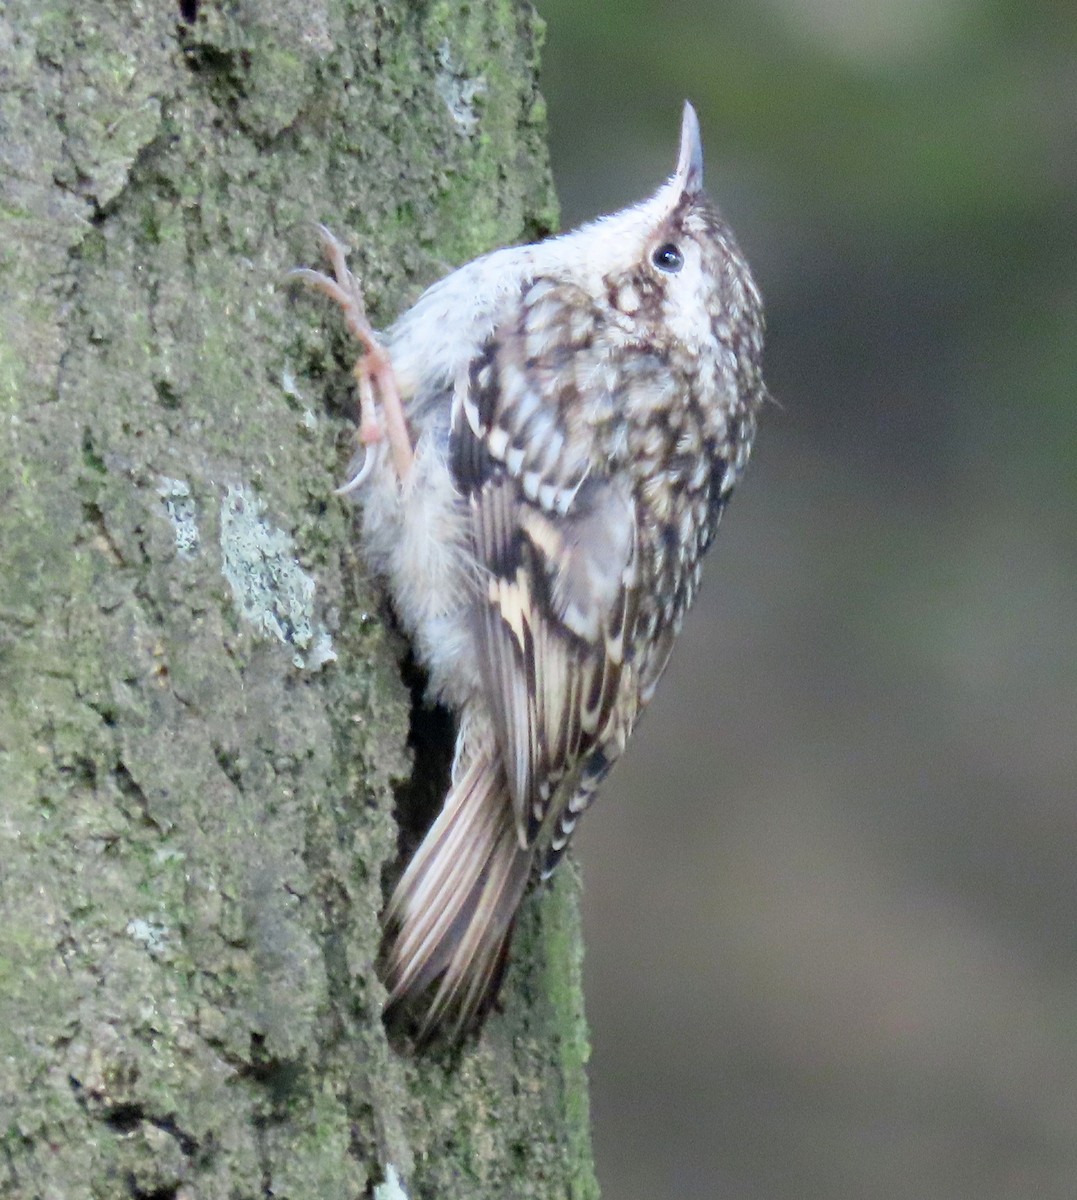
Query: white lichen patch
(392, 1188)
(321, 651)
(268, 585)
(182, 512)
(290, 387)
(151, 934)
(458, 91)
(287, 382)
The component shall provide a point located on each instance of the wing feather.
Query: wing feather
(555, 542)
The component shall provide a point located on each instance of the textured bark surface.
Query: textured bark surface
(203, 726)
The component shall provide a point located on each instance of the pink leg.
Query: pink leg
(374, 369)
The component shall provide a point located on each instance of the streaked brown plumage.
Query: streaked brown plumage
(575, 414)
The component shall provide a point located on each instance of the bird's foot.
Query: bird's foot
(373, 370)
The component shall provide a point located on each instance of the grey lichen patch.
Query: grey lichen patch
(152, 934)
(321, 651)
(308, 422)
(183, 513)
(458, 91)
(269, 587)
(391, 1188)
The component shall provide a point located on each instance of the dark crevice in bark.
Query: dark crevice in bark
(431, 740)
(125, 1118)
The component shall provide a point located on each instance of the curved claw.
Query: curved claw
(356, 481)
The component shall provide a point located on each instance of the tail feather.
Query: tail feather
(427, 904)
(452, 912)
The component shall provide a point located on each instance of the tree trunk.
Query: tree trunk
(204, 728)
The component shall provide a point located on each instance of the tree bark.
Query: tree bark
(204, 727)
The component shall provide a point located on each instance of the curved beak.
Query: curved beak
(689, 173)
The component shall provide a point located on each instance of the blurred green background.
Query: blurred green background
(831, 893)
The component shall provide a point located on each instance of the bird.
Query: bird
(547, 440)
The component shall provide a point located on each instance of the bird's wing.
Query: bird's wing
(555, 542)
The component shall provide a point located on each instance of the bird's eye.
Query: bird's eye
(668, 258)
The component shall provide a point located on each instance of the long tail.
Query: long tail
(451, 915)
